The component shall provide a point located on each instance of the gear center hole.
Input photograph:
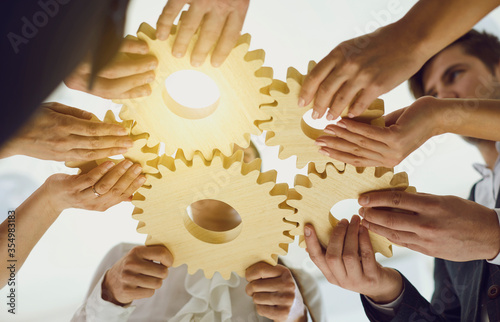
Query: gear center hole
(312, 128)
(191, 94)
(344, 209)
(212, 221)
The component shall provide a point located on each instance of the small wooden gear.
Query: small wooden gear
(289, 130)
(241, 80)
(261, 235)
(318, 192)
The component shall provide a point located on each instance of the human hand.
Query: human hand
(136, 275)
(220, 22)
(62, 133)
(349, 262)
(445, 227)
(128, 75)
(275, 293)
(359, 70)
(113, 183)
(365, 145)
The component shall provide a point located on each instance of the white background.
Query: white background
(55, 278)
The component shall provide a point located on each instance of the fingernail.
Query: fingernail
(152, 66)
(324, 152)
(343, 222)
(329, 117)
(341, 124)
(108, 165)
(329, 131)
(307, 231)
(178, 54)
(129, 143)
(302, 102)
(320, 143)
(365, 224)
(354, 219)
(142, 180)
(315, 115)
(137, 169)
(150, 79)
(122, 150)
(216, 64)
(362, 212)
(196, 64)
(162, 35)
(364, 200)
(127, 164)
(350, 115)
(123, 131)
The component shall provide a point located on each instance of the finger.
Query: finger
(335, 250)
(141, 293)
(89, 179)
(64, 109)
(134, 46)
(401, 238)
(272, 312)
(92, 129)
(230, 35)
(326, 93)
(415, 202)
(124, 182)
(313, 80)
(167, 17)
(373, 132)
(317, 254)
(107, 182)
(113, 88)
(393, 117)
(134, 186)
(187, 28)
(343, 97)
(145, 281)
(391, 219)
(263, 270)
(141, 91)
(209, 34)
(350, 256)
(344, 145)
(99, 142)
(363, 101)
(126, 66)
(156, 253)
(274, 298)
(349, 158)
(366, 252)
(89, 155)
(267, 285)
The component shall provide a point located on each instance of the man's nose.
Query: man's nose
(447, 93)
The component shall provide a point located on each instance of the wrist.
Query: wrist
(495, 244)
(107, 294)
(392, 288)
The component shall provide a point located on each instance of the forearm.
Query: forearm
(32, 219)
(477, 118)
(432, 25)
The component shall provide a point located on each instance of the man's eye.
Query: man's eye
(454, 74)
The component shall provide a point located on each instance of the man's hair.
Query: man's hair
(482, 45)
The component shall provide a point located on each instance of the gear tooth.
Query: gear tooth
(141, 228)
(210, 273)
(243, 43)
(310, 66)
(146, 32)
(411, 189)
(302, 241)
(109, 117)
(400, 180)
(278, 88)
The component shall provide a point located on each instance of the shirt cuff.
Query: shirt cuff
(387, 308)
(99, 310)
(496, 260)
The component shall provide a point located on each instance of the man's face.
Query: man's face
(455, 74)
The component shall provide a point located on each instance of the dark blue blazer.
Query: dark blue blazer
(459, 288)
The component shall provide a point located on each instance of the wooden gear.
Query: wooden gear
(318, 192)
(241, 80)
(289, 130)
(261, 235)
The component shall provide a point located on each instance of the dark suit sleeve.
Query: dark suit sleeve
(414, 307)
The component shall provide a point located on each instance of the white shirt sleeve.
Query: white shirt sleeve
(496, 260)
(96, 309)
(387, 308)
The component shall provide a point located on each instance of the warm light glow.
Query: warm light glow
(192, 89)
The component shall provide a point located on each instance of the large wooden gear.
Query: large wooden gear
(294, 136)
(318, 192)
(261, 236)
(241, 80)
